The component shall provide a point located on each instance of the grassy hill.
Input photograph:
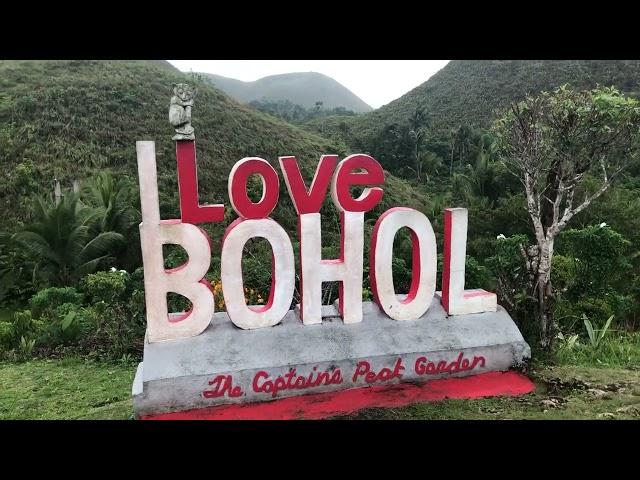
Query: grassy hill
(163, 64)
(469, 92)
(70, 119)
(304, 88)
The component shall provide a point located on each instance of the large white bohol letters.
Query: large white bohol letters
(347, 269)
(424, 263)
(455, 299)
(283, 273)
(186, 280)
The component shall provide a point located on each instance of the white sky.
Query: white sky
(377, 82)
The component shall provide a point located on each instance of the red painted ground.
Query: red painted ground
(323, 405)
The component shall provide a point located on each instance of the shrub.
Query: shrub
(6, 335)
(513, 281)
(68, 323)
(22, 326)
(50, 298)
(563, 273)
(591, 276)
(600, 256)
(476, 275)
(105, 287)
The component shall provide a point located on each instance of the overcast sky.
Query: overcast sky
(377, 82)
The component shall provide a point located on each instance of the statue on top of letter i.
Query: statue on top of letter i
(180, 111)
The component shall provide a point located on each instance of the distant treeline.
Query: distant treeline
(294, 113)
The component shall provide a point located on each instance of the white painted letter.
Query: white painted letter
(455, 299)
(424, 264)
(283, 273)
(187, 280)
(347, 269)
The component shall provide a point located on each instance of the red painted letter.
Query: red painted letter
(308, 201)
(190, 210)
(240, 201)
(345, 176)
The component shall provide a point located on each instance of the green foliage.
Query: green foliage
(596, 336)
(25, 178)
(508, 265)
(431, 164)
(567, 144)
(60, 243)
(564, 273)
(66, 324)
(21, 334)
(16, 277)
(596, 346)
(106, 322)
(6, 334)
(477, 275)
(113, 201)
(115, 313)
(24, 325)
(592, 276)
(296, 114)
(107, 287)
(26, 347)
(482, 176)
(53, 297)
(600, 255)
(470, 92)
(621, 350)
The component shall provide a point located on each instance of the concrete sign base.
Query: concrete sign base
(227, 365)
(346, 402)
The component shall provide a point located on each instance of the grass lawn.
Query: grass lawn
(65, 389)
(74, 389)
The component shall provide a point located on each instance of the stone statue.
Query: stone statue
(180, 111)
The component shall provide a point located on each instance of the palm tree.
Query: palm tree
(417, 133)
(60, 242)
(113, 202)
(479, 178)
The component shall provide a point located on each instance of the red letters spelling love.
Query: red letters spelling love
(304, 200)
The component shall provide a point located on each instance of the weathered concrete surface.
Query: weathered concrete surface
(175, 374)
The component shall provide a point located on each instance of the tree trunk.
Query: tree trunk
(418, 169)
(543, 293)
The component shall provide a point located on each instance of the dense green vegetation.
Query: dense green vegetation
(296, 114)
(470, 93)
(303, 88)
